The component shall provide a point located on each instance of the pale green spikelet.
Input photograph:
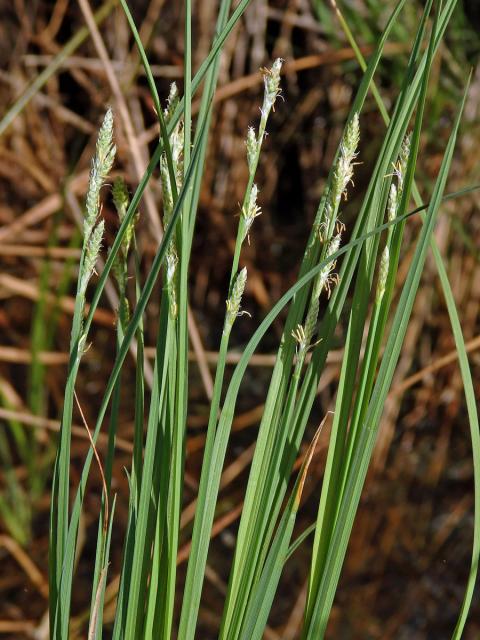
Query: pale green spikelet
(271, 81)
(92, 252)
(166, 192)
(119, 268)
(235, 299)
(300, 337)
(327, 222)
(176, 146)
(251, 211)
(176, 143)
(311, 319)
(252, 149)
(120, 197)
(343, 172)
(327, 278)
(99, 170)
(334, 246)
(327, 216)
(392, 203)
(121, 201)
(170, 276)
(172, 102)
(119, 273)
(382, 274)
(401, 166)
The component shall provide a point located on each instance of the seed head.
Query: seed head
(271, 81)
(252, 149)
(311, 319)
(235, 299)
(403, 160)
(382, 274)
(105, 150)
(334, 245)
(172, 102)
(251, 211)
(120, 197)
(400, 166)
(92, 252)
(300, 337)
(100, 168)
(166, 192)
(392, 203)
(176, 147)
(172, 261)
(343, 172)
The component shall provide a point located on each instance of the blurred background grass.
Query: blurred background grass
(409, 553)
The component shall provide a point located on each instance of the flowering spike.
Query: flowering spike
(92, 252)
(403, 161)
(382, 274)
(120, 197)
(392, 203)
(271, 81)
(251, 211)
(252, 149)
(235, 299)
(172, 102)
(100, 168)
(348, 152)
(172, 261)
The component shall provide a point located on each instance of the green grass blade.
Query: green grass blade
(474, 433)
(258, 610)
(143, 531)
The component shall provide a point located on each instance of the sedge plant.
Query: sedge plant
(150, 602)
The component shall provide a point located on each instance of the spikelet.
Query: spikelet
(382, 274)
(399, 169)
(121, 201)
(392, 203)
(234, 301)
(302, 340)
(171, 271)
(99, 169)
(252, 149)
(250, 211)
(327, 217)
(271, 81)
(401, 166)
(172, 102)
(92, 252)
(176, 147)
(166, 192)
(325, 280)
(343, 172)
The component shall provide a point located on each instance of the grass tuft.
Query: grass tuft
(363, 271)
